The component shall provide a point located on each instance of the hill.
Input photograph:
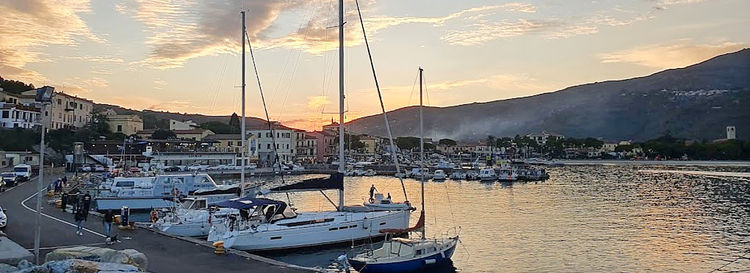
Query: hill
(695, 102)
(160, 119)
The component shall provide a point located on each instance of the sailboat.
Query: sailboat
(408, 255)
(273, 225)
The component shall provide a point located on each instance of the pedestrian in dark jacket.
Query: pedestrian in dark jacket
(108, 218)
(86, 205)
(79, 222)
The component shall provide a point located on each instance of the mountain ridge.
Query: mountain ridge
(679, 90)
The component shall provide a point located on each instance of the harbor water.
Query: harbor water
(583, 219)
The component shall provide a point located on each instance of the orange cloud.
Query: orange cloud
(677, 54)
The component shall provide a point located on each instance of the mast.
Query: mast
(341, 99)
(421, 145)
(242, 122)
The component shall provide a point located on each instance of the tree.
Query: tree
(220, 127)
(491, 141)
(234, 122)
(14, 87)
(407, 143)
(163, 134)
(447, 142)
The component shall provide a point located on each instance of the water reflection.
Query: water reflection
(584, 219)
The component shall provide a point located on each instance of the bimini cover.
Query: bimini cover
(247, 203)
(335, 182)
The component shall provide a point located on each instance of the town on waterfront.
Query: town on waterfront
(190, 136)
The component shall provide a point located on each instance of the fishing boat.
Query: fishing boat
(507, 175)
(281, 227)
(408, 255)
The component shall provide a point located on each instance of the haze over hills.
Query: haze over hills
(695, 102)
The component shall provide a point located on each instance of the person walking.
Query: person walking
(108, 218)
(372, 192)
(79, 222)
(86, 205)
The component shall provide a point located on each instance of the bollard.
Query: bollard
(219, 248)
(124, 216)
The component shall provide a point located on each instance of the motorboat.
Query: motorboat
(192, 218)
(417, 173)
(472, 175)
(439, 175)
(458, 175)
(487, 174)
(179, 185)
(380, 203)
(507, 175)
(369, 172)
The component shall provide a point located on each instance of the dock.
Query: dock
(165, 253)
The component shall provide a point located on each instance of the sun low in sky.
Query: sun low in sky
(183, 55)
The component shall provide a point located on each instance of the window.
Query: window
(119, 128)
(268, 146)
(5, 114)
(229, 143)
(59, 101)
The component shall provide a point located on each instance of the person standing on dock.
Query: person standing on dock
(79, 217)
(108, 217)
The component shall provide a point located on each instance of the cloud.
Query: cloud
(96, 59)
(79, 86)
(677, 54)
(28, 25)
(316, 102)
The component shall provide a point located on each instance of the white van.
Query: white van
(23, 172)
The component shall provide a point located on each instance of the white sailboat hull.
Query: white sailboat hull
(333, 228)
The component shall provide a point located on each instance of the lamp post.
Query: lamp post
(44, 97)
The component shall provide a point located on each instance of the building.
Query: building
(731, 132)
(125, 124)
(8, 97)
(608, 147)
(233, 143)
(18, 116)
(370, 143)
(182, 125)
(21, 157)
(192, 134)
(321, 143)
(542, 138)
(306, 149)
(285, 143)
(65, 111)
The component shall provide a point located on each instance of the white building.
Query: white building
(731, 132)
(285, 143)
(542, 138)
(182, 125)
(65, 111)
(18, 116)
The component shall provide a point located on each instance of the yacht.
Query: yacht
(268, 224)
(487, 174)
(192, 218)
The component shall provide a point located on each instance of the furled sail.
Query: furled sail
(335, 182)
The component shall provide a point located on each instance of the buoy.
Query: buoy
(219, 248)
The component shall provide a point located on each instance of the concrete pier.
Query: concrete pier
(165, 254)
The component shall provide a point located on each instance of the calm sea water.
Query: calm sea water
(583, 219)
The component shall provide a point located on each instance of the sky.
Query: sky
(184, 55)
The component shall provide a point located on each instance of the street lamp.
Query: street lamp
(44, 97)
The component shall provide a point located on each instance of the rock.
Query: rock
(79, 266)
(6, 268)
(139, 258)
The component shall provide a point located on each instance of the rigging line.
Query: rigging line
(296, 63)
(382, 105)
(743, 256)
(412, 88)
(424, 81)
(262, 97)
(218, 83)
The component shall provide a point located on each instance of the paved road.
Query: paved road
(165, 254)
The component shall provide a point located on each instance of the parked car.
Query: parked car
(86, 168)
(3, 218)
(8, 180)
(172, 169)
(100, 168)
(23, 172)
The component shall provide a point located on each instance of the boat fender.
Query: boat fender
(430, 261)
